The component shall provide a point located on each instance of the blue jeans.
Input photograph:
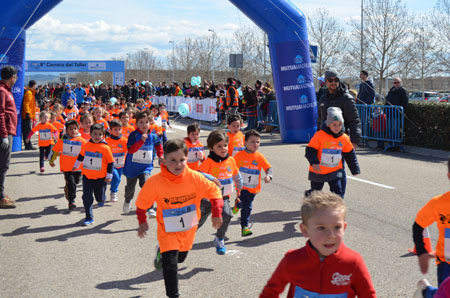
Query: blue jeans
(164, 138)
(443, 271)
(251, 118)
(335, 186)
(117, 175)
(246, 206)
(91, 188)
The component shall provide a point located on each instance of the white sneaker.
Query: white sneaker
(421, 285)
(114, 197)
(126, 207)
(151, 213)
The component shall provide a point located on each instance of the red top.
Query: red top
(343, 274)
(8, 113)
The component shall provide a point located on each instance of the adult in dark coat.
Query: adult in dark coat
(366, 92)
(337, 95)
(397, 95)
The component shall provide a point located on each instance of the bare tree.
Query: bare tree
(386, 31)
(441, 24)
(144, 62)
(328, 34)
(186, 57)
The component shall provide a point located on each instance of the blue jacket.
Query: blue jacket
(141, 161)
(66, 96)
(366, 93)
(80, 93)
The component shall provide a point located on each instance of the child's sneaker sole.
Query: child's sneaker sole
(246, 232)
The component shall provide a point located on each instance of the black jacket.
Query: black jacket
(366, 92)
(397, 97)
(343, 100)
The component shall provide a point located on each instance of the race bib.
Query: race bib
(331, 157)
(45, 135)
(237, 149)
(71, 148)
(446, 242)
(195, 154)
(119, 159)
(143, 155)
(92, 161)
(227, 187)
(180, 219)
(250, 177)
(302, 293)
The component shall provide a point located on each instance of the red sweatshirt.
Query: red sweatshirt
(8, 113)
(343, 274)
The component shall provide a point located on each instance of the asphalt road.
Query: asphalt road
(46, 253)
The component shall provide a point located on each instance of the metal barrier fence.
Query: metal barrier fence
(272, 114)
(382, 123)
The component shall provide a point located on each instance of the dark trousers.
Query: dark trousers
(43, 153)
(70, 189)
(26, 128)
(205, 208)
(170, 260)
(91, 188)
(246, 206)
(335, 186)
(5, 158)
(443, 271)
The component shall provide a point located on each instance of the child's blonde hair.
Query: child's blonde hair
(318, 200)
(44, 113)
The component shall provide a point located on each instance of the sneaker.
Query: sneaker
(87, 222)
(6, 204)
(157, 262)
(421, 285)
(220, 246)
(42, 170)
(101, 204)
(72, 206)
(235, 208)
(126, 207)
(151, 213)
(246, 232)
(114, 197)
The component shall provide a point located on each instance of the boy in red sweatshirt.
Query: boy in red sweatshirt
(324, 265)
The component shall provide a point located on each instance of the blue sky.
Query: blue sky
(104, 29)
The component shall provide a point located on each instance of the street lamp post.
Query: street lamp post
(362, 35)
(213, 58)
(173, 59)
(148, 64)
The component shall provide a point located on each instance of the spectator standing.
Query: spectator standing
(134, 92)
(337, 95)
(8, 125)
(67, 94)
(251, 103)
(126, 91)
(28, 112)
(232, 101)
(80, 94)
(366, 93)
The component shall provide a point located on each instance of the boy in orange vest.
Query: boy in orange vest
(69, 146)
(235, 136)
(98, 163)
(195, 147)
(126, 127)
(178, 194)
(118, 145)
(325, 151)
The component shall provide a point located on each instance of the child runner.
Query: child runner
(235, 136)
(69, 146)
(222, 167)
(58, 125)
(195, 147)
(164, 121)
(139, 160)
(324, 267)
(98, 118)
(98, 162)
(118, 145)
(325, 151)
(86, 122)
(178, 196)
(436, 210)
(46, 131)
(126, 127)
(70, 111)
(250, 162)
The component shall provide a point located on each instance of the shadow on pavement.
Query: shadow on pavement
(33, 173)
(130, 284)
(26, 199)
(50, 210)
(25, 154)
(272, 216)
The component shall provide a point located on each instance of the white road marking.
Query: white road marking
(370, 182)
(179, 127)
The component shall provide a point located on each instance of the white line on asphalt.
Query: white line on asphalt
(370, 182)
(178, 127)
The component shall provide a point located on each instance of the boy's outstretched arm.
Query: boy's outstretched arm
(277, 282)
(238, 182)
(352, 161)
(216, 210)
(311, 155)
(143, 225)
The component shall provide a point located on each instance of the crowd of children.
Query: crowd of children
(97, 145)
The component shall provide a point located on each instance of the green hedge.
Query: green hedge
(427, 125)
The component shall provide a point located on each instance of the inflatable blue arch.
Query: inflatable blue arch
(283, 22)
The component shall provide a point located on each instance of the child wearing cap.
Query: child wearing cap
(325, 151)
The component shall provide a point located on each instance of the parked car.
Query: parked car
(445, 98)
(427, 95)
